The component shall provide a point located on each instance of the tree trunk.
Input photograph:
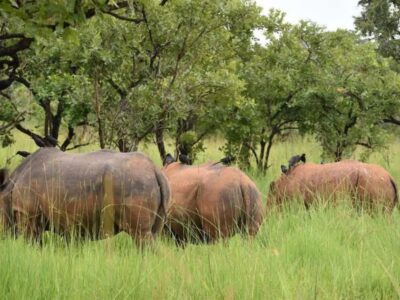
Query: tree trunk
(46, 125)
(338, 155)
(97, 102)
(265, 152)
(262, 153)
(179, 131)
(101, 133)
(56, 120)
(266, 166)
(159, 133)
(48, 116)
(71, 133)
(122, 145)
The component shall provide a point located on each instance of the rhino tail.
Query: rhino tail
(396, 196)
(253, 208)
(7, 215)
(165, 194)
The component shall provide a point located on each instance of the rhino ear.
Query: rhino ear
(284, 169)
(3, 177)
(168, 160)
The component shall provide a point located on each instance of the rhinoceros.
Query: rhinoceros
(211, 201)
(366, 184)
(92, 194)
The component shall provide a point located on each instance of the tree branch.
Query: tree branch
(391, 120)
(10, 125)
(136, 21)
(252, 151)
(366, 145)
(7, 36)
(77, 146)
(68, 139)
(360, 101)
(39, 141)
(119, 90)
(23, 44)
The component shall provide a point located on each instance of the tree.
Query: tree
(57, 89)
(276, 76)
(166, 75)
(381, 20)
(35, 25)
(355, 87)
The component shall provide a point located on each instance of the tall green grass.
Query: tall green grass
(323, 253)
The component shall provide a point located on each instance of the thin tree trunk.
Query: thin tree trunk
(159, 133)
(45, 104)
(267, 154)
(56, 120)
(338, 154)
(122, 145)
(97, 100)
(46, 125)
(178, 134)
(253, 151)
(262, 153)
(101, 133)
(71, 133)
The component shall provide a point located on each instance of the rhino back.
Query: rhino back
(74, 182)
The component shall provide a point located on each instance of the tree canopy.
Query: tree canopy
(381, 20)
(146, 71)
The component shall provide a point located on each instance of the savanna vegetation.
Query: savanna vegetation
(326, 252)
(190, 77)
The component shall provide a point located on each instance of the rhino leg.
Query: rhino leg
(31, 227)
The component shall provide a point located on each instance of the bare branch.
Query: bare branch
(119, 90)
(10, 125)
(24, 82)
(12, 36)
(39, 141)
(77, 146)
(392, 120)
(136, 21)
(23, 44)
(253, 150)
(366, 145)
(68, 139)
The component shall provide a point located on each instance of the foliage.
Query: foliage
(330, 84)
(168, 74)
(276, 77)
(381, 20)
(353, 90)
(42, 23)
(144, 71)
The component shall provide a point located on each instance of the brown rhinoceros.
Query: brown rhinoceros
(211, 201)
(94, 194)
(366, 184)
